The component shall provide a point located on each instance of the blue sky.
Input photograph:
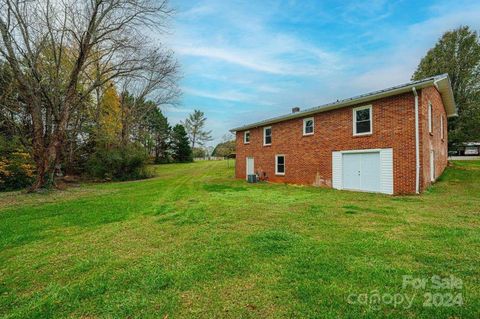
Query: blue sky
(244, 61)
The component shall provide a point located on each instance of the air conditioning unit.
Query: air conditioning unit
(252, 178)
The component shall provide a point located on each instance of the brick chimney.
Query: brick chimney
(295, 109)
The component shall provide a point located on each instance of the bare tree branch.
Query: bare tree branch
(61, 52)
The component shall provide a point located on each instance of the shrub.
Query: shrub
(198, 152)
(17, 169)
(119, 163)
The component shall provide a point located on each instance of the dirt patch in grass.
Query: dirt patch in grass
(22, 198)
(354, 209)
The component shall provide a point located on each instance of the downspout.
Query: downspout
(417, 147)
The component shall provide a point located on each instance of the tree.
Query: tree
(154, 84)
(224, 148)
(12, 122)
(457, 53)
(16, 166)
(60, 52)
(194, 125)
(109, 125)
(199, 152)
(182, 152)
(159, 132)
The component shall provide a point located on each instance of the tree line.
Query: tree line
(81, 81)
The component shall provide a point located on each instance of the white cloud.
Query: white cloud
(228, 95)
(246, 40)
(381, 78)
(300, 60)
(233, 56)
(433, 28)
(367, 12)
(397, 64)
(173, 109)
(197, 11)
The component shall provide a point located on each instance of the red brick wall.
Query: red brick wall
(432, 141)
(308, 159)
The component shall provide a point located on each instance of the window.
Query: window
(308, 126)
(441, 127)
(267, 135)
(246, 137)
(362, 120)
(430, 120)
(280, 165)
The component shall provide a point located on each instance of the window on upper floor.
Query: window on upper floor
(430, 118)
(362, 120)
(280, 164)
(267, 135)
(308, 126)
(246, 137)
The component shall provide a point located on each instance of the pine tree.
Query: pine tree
(194, 125)
(159, 130)
(182, 152)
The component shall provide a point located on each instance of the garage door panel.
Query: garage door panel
(351, 171)
(370, 172)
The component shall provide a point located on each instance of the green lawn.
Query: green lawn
(196, 243)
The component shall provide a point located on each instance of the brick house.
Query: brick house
(392, 141)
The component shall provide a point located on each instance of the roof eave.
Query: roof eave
(334, 106)
(442, 83)
(444, 86)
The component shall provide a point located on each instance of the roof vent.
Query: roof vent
(295, 109)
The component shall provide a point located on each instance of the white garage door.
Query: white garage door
(368, 170)
(361, 171)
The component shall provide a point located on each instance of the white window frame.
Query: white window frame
(354, 120)
(441, 127)
(430, 117)
(245, 137)
(305, 125)
(265, 136)
(276, 165)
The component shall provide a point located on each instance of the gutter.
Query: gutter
(417, 147)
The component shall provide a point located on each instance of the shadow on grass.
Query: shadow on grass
(222, 188)
(273, 242)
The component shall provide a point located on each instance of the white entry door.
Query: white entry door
(250, 167)
(361, 171)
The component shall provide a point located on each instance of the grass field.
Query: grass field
(195, 243)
